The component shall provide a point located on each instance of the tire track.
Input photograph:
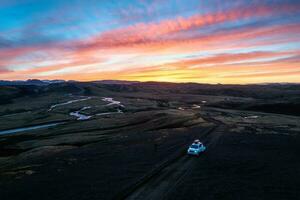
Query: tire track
(210, 141)
(168, 176)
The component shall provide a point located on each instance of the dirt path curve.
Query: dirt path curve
(160, 185)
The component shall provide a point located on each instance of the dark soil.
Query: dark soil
(97, 171)
(245, 166)
(111, 154)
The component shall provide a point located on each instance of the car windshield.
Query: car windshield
(194, 146)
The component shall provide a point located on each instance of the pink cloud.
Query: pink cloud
(143, 33)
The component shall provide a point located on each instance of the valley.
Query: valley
(128, 141)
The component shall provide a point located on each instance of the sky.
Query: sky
(204, 41)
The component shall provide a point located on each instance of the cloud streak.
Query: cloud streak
(215, 44)
(142, 33)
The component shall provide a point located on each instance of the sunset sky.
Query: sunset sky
(206, 41)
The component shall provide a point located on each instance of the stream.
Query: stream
(75, 113)
(17, 130)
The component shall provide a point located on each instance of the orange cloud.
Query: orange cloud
(230, 58)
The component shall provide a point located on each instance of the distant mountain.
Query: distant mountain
(53, 81)
(38, 82)
(30, 82)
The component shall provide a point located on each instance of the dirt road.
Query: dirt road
(164, 182)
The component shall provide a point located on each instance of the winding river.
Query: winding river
(17, 130)
(77, 114)
(68, 102)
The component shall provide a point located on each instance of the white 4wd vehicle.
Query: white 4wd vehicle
(196, 148)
